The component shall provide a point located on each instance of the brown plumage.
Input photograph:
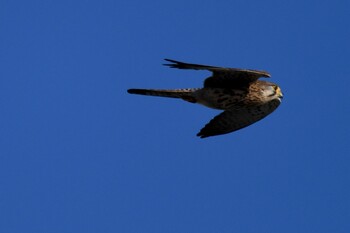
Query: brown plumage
(244, 99)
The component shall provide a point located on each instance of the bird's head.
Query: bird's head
(271, 92)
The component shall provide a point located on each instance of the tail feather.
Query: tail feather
(185, 94)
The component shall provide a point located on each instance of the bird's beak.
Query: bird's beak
(279, 93)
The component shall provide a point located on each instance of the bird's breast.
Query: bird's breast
(220, 98)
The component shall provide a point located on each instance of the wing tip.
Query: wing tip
(170, 60)
(136, 91)
(173, 64)
(260, 73)
(265, 74)
(203, 135)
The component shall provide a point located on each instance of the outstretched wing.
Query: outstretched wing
(223, 77)
(238, 118)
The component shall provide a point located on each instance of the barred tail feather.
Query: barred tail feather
(178, 93)
(185, 94)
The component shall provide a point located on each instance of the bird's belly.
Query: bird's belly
(219, 98)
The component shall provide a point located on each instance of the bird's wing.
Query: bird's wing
(223, 77)
(234, 119)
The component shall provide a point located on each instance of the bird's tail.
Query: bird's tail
(185, 94)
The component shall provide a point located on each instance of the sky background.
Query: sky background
(79, 154)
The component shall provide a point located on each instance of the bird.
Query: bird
(243, 98)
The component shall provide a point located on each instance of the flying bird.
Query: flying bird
(244, 98)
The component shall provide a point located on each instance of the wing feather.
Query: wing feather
(238, 118)
(223, 77)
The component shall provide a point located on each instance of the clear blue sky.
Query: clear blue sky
(79, 154)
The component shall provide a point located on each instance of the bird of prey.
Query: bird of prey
(244, 98)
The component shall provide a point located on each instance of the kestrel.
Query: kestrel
(244, 99)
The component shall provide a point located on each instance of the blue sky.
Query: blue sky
(79, 154)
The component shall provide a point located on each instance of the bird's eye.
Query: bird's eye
(273, 90)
